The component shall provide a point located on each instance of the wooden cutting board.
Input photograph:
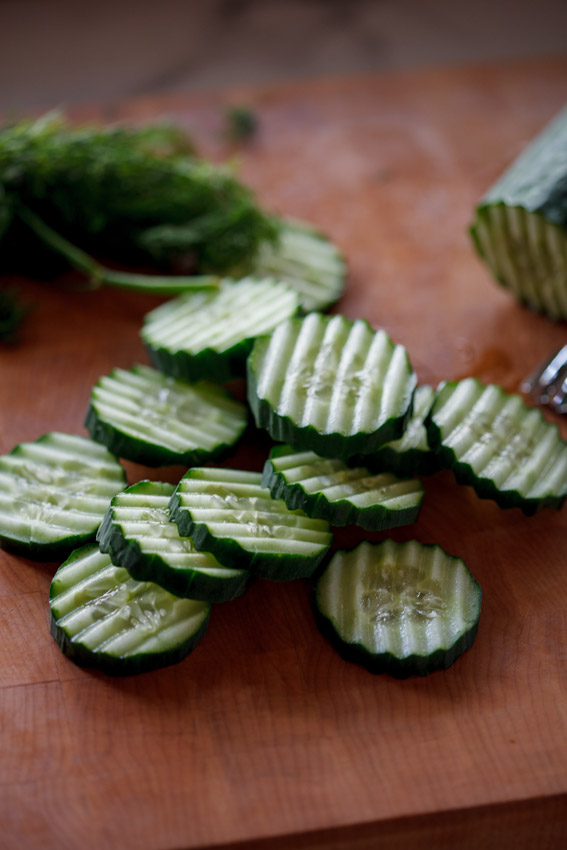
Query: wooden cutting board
(264, 737)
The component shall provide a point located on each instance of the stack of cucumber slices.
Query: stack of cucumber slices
(352, 429)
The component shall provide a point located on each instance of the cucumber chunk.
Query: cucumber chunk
(505, 450)
(210, 334)
(411, 454)
(328, 488)
(520, 224)
(54, 493)
(148, 417)
(139, 535)
(330, 385)
(399, 608)
(101, 617)
(307, 261)
(229, 513)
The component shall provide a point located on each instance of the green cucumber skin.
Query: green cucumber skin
(534, 183)
(56, 551)
(141, 663)
(228, 552)
(283, 430)
(413, 462)
(412, 665)
(483, 487)
(537, 179)
(151, 567)
(410, 463)
(150, 454)
(315, 505)
(218, 367)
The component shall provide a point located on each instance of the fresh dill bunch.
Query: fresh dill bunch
(12, 314)
(241, 123)
(131, 196)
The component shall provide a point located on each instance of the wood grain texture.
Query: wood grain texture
(264, 737)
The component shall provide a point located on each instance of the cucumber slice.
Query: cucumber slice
(139, 535)
(328, 488)
(229, 513)
(411, 454)
(148, 417)
(520, 224)
(399, 608)
(101, 617)
(330, 385)
(54, 493)
(505, 450)
(210, 334)
(307, 261)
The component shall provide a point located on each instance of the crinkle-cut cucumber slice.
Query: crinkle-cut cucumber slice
(210, 334)
(411, 454)
(328, 488)
(306, 260)
(154, 419)
(229, 513)
(520, 227)
(139, 534)
(505, 450)
(331, 385)
(102, 617)
(399, 608)
(54, 493)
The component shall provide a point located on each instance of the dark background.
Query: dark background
(55, 53)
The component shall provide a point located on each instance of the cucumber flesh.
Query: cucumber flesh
(411, 453)
(330, 385)
(54, 493)
(328, 488)
(229, 513)
(139, 535)
(307, 261)
(101, 617)
(148, 417)
(399, 608)
(210, 334)
(520, 224)
(505, 450)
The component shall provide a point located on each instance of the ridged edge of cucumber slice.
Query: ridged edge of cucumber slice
(283, 428)
(307, 260)
(49, 453)
(399, 666)
(112, 665)
(189, 582)
(140, 447)
(411, 454)
(215, 364)
(510, 443)
(373, 517)
(273, 565)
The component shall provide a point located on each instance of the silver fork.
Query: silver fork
(548, 384)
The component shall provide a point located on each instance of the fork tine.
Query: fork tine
(558, 401)
(543, 382)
